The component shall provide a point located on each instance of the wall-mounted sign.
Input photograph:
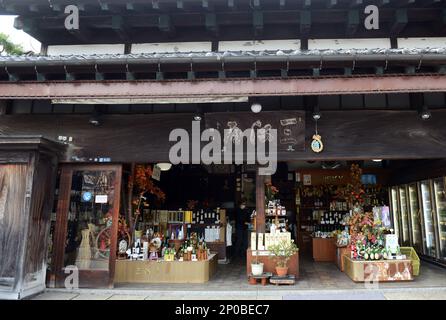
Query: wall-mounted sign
(307, 179)
(101, 199)
(87, 196)
(290, 126)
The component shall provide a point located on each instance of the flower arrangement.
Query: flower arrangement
(354, 192)
(367, 237)
(270, 192)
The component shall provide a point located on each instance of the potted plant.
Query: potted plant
(256, 266)
(281, 253)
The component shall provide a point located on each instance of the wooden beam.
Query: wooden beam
(181, 5)
(156, 5)
(401, 21)
(40, 76)
(306, 3)
(356, 3)
(56, 7)
(257, 21)
(260, 202)
(332, 3)
(165, 23)
(235, 87)
(305, 22)
(207, 5)
(104, 6)
(211, 22)
(352, 22)
(120, 27)
(34, 8)
(282, 4)
(231, 4)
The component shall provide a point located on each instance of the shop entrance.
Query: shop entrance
(85, 235)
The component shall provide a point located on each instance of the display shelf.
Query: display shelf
(165, 271)
(378, 271)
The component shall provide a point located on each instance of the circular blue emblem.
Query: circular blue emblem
(87, 196)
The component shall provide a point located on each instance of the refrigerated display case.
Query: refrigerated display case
(415, 218)
(404, 215)
(429, 242)
(395, 210)
(440, 210)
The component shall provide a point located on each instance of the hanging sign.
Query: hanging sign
(317, 145)
(290, 126)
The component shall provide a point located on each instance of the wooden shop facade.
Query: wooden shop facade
(103, 99)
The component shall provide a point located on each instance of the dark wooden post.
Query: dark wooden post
(260, 202)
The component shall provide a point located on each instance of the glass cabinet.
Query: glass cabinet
(404, 215)
(428, 221)
(415, 218)
(395, 210)
(440, 209)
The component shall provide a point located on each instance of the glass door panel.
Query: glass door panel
(395, 211)
(440, 208)
(89, 223)
(404, 214)
(415, 218)
(428, 225)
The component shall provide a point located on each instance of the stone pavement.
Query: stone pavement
(317, 281)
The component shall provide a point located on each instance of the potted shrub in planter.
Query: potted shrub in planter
(281, 253)
(256, 266)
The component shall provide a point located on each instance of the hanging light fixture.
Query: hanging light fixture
(424, 113)
(164, 166)
(316, 113)
(198, 116)
(95, 118)
(256, 107)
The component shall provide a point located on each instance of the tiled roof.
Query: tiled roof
(222, 55)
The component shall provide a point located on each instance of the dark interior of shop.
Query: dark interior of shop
(226, 186)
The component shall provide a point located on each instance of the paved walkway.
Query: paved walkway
(317, 281)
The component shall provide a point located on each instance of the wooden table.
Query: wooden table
(324, 249)
(378, 271)
(165, 271)
(269, 265)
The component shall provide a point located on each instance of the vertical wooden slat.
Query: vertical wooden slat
(61, 221)
(260, 202)
(114, 235)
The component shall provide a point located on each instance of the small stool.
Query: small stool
(263, 278)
